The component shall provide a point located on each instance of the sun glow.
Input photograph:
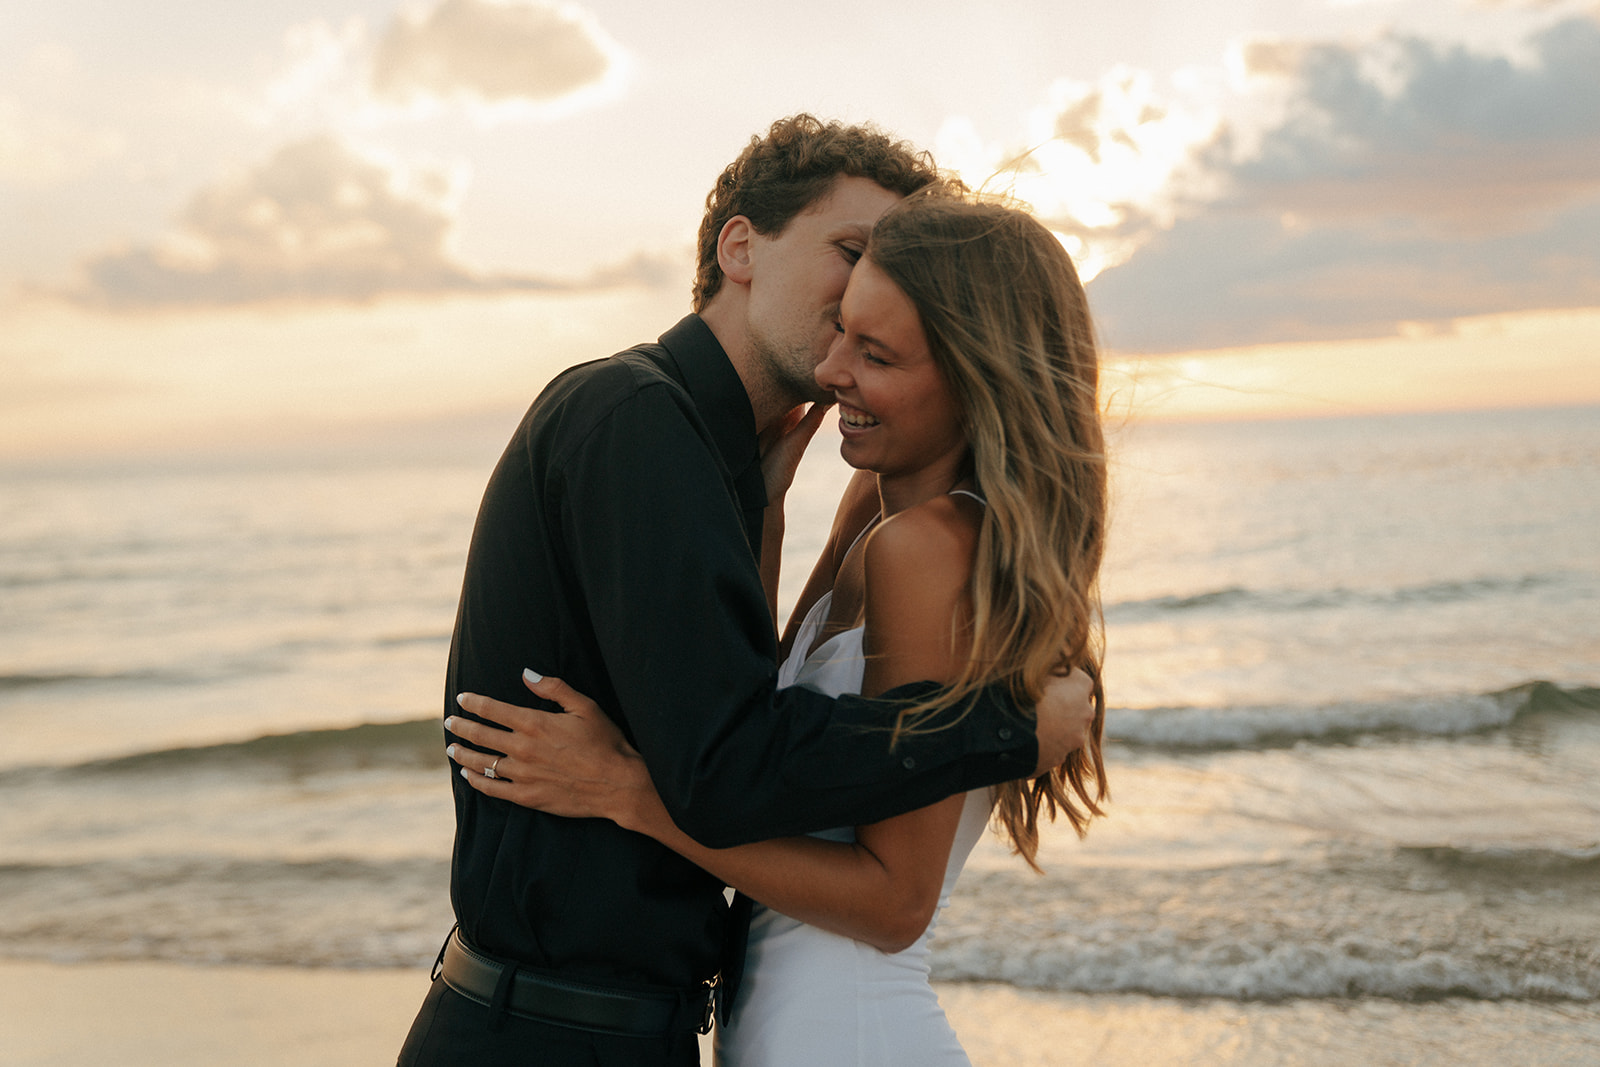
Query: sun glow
(1535, 359)
(1104, 163)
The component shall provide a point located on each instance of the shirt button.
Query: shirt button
(909, 762)
(1005, 733)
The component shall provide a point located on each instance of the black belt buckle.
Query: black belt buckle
(438, 961)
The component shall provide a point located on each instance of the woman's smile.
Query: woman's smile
(896, 413)
(852, 418)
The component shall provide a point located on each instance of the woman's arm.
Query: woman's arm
(782, 447)
(772, 530)
(857, 506)
(883, 888)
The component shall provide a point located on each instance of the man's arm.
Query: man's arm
(676, 602)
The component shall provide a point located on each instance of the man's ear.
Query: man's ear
(734, 248)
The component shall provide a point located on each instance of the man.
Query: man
(614, 548)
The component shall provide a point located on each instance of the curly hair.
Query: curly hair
(780, 175)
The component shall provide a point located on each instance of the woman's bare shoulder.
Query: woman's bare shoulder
(918, 570)
(941, 532)
(922, 557)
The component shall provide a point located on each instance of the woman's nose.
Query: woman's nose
(830, 373)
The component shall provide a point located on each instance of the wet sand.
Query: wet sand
(148, 1014)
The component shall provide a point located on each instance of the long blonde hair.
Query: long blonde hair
(1008, 324)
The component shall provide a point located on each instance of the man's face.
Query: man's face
(798, 278)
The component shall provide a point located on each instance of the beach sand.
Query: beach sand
(139, 1014)
(149, 1014)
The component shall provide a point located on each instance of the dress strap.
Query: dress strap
(969, 492)
(864, 531)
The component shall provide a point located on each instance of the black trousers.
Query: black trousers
(452, 1030)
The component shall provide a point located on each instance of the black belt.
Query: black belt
(565, 1002)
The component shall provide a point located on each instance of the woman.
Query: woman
(965, 551)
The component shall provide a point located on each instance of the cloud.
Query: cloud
(492, 51)
(1408, 127)
(647, 269)
(1404, 181)
(1107, 164)
(1228, 279)
(317, 220)
(491, 60)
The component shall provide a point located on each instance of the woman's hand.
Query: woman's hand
(576, 765)
(1065, 715)
(784, 443)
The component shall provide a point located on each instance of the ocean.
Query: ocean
(1353, 667)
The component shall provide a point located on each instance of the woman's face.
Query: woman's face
(896, 411)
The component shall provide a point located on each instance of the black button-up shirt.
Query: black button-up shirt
(613, 549)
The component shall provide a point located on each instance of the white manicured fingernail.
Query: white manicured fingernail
(466, 774)
(450, 723)
(461, 699)
(531, 676)
(450, 750)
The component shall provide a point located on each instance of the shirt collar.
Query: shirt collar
(718, 393)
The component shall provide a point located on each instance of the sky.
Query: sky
(224, 223)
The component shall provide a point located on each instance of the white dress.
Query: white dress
(810, 998)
